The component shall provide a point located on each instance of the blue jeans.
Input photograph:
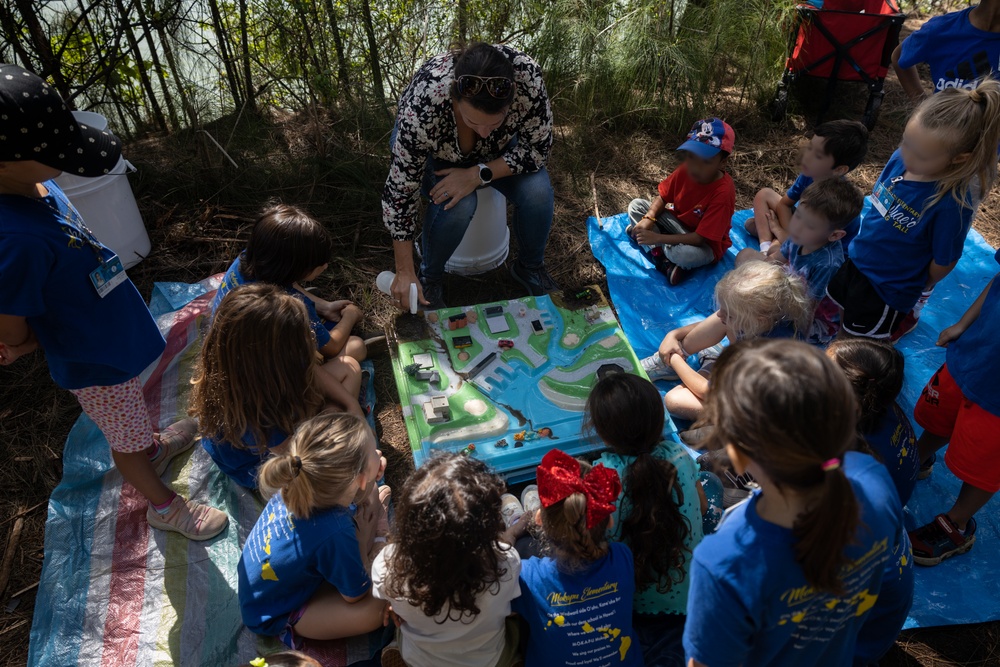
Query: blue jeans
(533, 200)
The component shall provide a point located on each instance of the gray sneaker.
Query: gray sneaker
(657, 370)
(537, 281)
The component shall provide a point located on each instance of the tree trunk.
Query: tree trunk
(141, 65)
(338, 43)
(245, 46)
(227, 61)
(373, 57)
(168, 52)
(463, 20)
(147, 36)
(43, 47)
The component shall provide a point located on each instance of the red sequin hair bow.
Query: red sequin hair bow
(559, 478)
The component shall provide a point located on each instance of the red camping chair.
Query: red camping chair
(845, 40)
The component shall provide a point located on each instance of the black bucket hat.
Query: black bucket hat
(35, 124)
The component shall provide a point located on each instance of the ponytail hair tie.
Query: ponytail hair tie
(831, 464)
(298, 465)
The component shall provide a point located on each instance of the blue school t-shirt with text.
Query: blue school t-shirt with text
(958, 53)
(580, 618)
(894, 441)
(242, 464)
(750, 603)
(234, 277)
(45, 266)
(286, 559)
(895, 248)
(974, 359)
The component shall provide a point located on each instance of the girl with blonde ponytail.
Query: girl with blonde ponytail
(793, 573)
(922, 208)
(304, 572)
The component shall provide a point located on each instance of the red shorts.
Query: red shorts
(973, 434)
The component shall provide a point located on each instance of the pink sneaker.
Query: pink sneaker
(175, 439)
(189, 518)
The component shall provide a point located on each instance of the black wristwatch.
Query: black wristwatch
(485, 175)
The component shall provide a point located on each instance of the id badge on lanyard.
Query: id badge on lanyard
(882, 199)
(109, 275)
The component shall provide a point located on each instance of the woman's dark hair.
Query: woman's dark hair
(485, 60)
(446, 548)
(791, 410)
(626, 412)
(286, 245)
(875, 370)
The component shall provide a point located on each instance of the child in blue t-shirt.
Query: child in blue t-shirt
(793, 573)
(960, 407)
(659, 514)
(922, 208)
(960, 47)
(63, 291)
(288, 247)
(755, 300)
(813, 248)
(577, 603)
(834, 149)
(304, 572)
(875, 369)
(247, 411)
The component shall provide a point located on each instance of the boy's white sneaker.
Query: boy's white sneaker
(657, 370)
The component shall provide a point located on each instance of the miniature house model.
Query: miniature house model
(437, 410)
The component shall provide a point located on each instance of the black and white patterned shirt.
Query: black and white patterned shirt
(426, 128)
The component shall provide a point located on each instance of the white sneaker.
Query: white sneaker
(657, 370)
(510, 509)
(530, 500)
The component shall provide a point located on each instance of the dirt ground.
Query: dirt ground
(198, 212)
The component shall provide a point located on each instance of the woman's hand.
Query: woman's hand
(400, 290)
(457, 184)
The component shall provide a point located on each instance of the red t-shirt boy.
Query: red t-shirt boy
(687, 225)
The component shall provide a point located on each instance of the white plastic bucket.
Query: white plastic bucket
(107, 204)
(487, 240)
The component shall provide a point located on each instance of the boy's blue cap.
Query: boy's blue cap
(35, 124)
(708, 137)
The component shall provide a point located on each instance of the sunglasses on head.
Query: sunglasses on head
(499, 87)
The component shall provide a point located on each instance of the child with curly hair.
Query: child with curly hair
(248, 411)
(577, 603)
(304, 568)
(756, 300)
(449, 572)
(659, 515)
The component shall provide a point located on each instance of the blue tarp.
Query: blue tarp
(964, 589)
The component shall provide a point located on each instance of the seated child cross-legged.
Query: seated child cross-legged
(450, 572)
(288, 247)
(960, 407)
(659, 514)
(577, 603)
(755, 300)
(247, 411)
(813, 248)
(834, 149)
(795, 574)
(304, 572)
(688, 222)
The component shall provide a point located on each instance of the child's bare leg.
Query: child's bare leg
(355, 348)
(928, 444)
(329, 616)
(764, 201)
(681, 403)
(970, 500)
(138, 471)
(749, 255)
(347, 371)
